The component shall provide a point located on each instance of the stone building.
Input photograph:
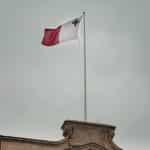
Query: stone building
(77, 136)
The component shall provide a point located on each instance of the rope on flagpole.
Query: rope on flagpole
(85, 73)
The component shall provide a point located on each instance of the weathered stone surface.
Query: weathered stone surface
(77, 136)
(85, 134)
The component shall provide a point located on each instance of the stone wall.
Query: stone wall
(77, 135)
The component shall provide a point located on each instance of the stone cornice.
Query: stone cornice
(30, 140)
(87, 123)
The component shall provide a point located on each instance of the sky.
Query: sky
(40, 87)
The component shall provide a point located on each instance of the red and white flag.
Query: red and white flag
(64, 32)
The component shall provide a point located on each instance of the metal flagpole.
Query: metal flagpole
(85, 73)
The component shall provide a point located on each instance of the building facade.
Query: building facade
(77, 136)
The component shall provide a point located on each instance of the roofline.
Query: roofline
(30, 140)
(88, 123)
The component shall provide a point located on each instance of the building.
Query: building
(77, 136)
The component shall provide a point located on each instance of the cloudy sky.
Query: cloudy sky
(41, 87)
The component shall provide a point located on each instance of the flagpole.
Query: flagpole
(85, 73)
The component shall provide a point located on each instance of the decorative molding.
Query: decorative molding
(89, 146)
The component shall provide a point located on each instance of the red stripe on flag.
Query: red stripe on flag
(51, 36)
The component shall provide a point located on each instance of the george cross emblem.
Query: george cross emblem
(75, 22)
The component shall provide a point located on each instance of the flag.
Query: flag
(65, 32)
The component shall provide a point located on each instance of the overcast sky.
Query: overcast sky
(40, 87)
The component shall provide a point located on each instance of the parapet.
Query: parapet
(80, 132)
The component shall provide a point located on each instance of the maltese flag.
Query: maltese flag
(65, 32)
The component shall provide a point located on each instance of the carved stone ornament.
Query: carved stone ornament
(68, 131)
